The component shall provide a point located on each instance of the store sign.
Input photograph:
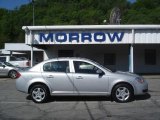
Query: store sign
(63, 37)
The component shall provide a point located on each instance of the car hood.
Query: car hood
(129, 74)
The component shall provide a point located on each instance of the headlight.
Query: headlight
(140, 79)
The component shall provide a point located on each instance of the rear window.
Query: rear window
(13, 59)
(56, 66)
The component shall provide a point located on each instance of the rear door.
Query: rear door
(57, 74)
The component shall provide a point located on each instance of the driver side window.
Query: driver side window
(84, 67)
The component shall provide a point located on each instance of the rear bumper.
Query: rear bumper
(21, 85)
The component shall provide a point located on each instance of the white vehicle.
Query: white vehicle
(15, 61)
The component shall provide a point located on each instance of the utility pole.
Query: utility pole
(33, 11)
(32, 33)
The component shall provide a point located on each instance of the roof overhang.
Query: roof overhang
(70, 27)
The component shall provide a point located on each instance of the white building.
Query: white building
(22, 50)
(134, 48)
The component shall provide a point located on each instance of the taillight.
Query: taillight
(18, 75)
(27, 64)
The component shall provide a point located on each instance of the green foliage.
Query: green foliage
(74, 12)
(143, 12)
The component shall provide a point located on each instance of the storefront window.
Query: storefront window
(2, 59)
(109, 59)
(150, 57)
(65, 53)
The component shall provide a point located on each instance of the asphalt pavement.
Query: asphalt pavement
(15, 105)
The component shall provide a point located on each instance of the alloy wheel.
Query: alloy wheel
(122, 93)
(38, 94)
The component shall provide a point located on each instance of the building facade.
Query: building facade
(134, 48)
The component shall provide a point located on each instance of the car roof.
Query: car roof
(68, 58)
(58, 59)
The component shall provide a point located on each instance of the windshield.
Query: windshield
(9, 64)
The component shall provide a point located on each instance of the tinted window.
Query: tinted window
(83, 67)
(57, 66)
(65, 53)
(109, 59)
(2, 59)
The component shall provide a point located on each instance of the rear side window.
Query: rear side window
(56, 66)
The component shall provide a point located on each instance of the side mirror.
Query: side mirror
(100, 72)
(3, 66)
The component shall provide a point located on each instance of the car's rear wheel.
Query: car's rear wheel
(39, 93)
(12, 74)
(122, 93)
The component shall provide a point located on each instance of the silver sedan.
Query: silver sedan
(7, 69)
(78, 76)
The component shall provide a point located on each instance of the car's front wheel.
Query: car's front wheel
(39, 93)
(122, 93)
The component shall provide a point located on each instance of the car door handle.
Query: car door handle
(79, 77)
(50, 76)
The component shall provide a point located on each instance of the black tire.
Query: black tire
(122, 93)
(12, 74)
(39, 93)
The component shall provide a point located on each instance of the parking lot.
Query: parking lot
(15, 105)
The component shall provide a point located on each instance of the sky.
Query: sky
(12, 4)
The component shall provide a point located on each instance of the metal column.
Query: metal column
(31, 35)
(131, 53)
(31, 43)
(31, 55)
(131, 59)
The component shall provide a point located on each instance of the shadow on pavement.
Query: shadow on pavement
(75, 98)
(88, 98)
(3, 77)
(143, 97)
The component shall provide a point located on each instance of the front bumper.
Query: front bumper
(141, 88)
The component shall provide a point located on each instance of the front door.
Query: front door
(87, 81)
